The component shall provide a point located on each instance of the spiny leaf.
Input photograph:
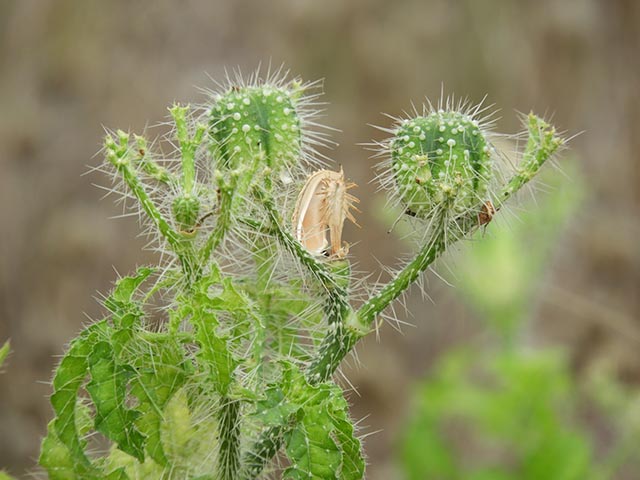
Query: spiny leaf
(214, 356)
(310, 447)
(353, 464)
(161, 372)
(321, 443)
(108, 391)
(274, 409)
(67, 381)
(56, 458)
(120, 302)
(126, 287)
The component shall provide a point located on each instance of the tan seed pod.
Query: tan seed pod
(321, 208)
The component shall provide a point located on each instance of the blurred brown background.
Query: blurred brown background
(68, 67)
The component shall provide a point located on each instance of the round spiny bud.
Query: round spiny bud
(256, 123)
(441, 157)
(186, 209)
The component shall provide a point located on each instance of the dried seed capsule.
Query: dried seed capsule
(321, 208)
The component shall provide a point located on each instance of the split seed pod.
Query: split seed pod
(321, 208)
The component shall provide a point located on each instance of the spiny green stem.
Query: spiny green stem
(149, 166)
(134, 184)
(336, 307)
(228, 467)
(263, 254)
(409, 274)
(341, 339)
(188, 144)
(337, 343)
(542, 143)
(231, 194)
(119, 156)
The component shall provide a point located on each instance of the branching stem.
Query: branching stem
(346, 331)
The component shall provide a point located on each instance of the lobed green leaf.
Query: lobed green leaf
(120, 302)
(320, 440)
(108, 390)
(161, 372)
(69, 377)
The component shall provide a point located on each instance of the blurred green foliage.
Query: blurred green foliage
(509, 413)
(505, 411)
(4, 351)
(501, 273)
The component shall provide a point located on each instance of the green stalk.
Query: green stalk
(340, 341)
(188, 145)
(134, 184)
(541, 144)
(119, 156)
(228, 467)
(231, 195)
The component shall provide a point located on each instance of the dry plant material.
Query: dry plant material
(486, 213)
(321, 208)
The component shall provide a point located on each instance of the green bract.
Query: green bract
(444, 155)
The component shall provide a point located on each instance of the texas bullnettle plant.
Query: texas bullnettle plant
(218, 363)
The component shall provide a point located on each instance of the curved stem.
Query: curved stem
(340, 341)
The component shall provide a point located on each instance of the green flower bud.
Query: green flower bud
(441, 157)
(186, 209)
(256, 122)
